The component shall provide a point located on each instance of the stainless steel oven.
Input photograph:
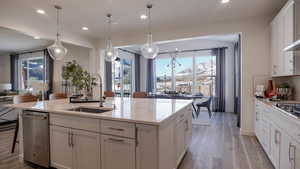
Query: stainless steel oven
(36, 140)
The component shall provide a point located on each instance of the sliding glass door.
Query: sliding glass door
(184, 75)
(163, 75)
(122, 80)
(187, 73)
(205, 75)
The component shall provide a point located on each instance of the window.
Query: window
(205, 75)
(184, 75)
(31, 71)
(192, 73)
(163, 74)
(122, 76)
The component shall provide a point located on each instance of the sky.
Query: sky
(186, 62)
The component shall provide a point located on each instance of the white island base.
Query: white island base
(87, 141)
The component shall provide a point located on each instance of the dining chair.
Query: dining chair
(17, 100)
(139, 95)
(109, 94)
(55, 96)
(205, 104)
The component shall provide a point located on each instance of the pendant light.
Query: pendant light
(110, 52)
(57, 51)
(149, 50)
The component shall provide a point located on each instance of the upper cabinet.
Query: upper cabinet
(282, 34)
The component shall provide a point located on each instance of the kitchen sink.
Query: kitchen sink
(91, 110)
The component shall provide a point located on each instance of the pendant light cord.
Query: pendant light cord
(57, 22)
(149, 23)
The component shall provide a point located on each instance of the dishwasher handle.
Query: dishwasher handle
(35, 115)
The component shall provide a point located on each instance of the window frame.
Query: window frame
(27, 71)
(194, 78)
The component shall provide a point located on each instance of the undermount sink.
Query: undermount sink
(91, 110)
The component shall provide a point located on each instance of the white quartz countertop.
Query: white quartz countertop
(142, 110)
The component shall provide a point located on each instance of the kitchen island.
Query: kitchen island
(126, 133)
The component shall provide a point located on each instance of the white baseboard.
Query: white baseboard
(247, 133)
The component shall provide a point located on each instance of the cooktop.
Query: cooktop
(291, 108)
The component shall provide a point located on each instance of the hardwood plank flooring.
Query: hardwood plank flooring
(218, 146)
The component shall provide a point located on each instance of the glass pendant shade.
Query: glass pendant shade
(110, 52)
(150, 49)
(57, 51)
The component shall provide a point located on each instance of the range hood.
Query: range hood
(295, 46)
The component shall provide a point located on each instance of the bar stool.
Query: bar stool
(55, 96)
(139, 95)
(109, 94)
(16, 100)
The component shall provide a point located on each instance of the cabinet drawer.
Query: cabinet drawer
(123, 129)
(75, 122)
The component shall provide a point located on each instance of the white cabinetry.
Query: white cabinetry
(72, 148)
(87, 143)
(183, 131)
(290, 153)
(282, 35)
(179, 140)
(282, 142)
(117, 152)
(276, 139)
(146, 151)
(60, 148)
(86, 149)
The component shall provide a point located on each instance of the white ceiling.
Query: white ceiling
(203, 42)
(14, 41)
(91, 13)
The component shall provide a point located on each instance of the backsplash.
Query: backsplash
(294, 82)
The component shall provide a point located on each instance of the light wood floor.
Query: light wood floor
(218, 146)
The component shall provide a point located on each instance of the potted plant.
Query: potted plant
(82, 80)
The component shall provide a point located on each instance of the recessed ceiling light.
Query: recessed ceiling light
(40, 11)
(225, 1)
(143, 16)
(85, 28)
(36, 37)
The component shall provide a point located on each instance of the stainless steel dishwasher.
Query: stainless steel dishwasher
(36, 137)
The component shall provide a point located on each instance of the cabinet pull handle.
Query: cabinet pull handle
(186, 125)
(290, 151)
(69, 139)
(117, 129)
(292, 159)
(275, 137)
(256, 117)
(116, 140)
(136, 136)
(72, 141)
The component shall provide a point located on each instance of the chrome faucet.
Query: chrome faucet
(101, 100)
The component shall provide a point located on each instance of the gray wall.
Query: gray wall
(5, 68)
(80, 54)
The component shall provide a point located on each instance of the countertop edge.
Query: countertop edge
(284, 113)
(88, 115)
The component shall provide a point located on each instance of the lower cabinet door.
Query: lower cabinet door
(295, 154)
(188, 129)
(146, 149)
(86, 149)
(117, 152)
(60, 148)
(285, 152)
(275, 146)
(180, 140)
